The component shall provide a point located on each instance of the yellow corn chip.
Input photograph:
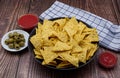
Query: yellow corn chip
(37, 41)
(60, 46)
(64, 42)
(53, 63)
(91, 51)
(59, 24)
(62, 36)
(64, 64)
(81, 27)
(39, 56)
(39, 29)
(82, 55)
(37, 52)
(71, 27)
(48, 55)
(73, 60)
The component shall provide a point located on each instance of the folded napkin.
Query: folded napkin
(109, 34)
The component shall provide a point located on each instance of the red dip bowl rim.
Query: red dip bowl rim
(28, 21)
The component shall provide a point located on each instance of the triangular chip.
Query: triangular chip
(39, 29)
(59, 24)
(52, 63)
(71, 27)
(92, 51)
(37, 41)
(39, 57)
(92, 37)
(37, 52)
(62, 36)
(82, 56)
(81, 27)
(64, 64)
(76, 48)
(73, 60)
(60, 46)
(48, 55)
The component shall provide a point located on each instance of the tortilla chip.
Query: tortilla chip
(53, 63)
(82, 56)
(39, 56)
(60, 46)
(71, 27)
(91, 51)
(59, 24)
(37, 41)
(73, 60)
(62, 36)
(64, 42)
(64, 64)
(48, 55)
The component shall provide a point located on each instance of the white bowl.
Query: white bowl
(26, 35)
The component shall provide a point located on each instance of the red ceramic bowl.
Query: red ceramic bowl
(28, 21)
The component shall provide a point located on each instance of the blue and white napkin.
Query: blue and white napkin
(109, 34)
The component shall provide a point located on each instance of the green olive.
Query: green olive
(22, 43)
(15, 40)
(18, 39)
(7, 41)
(21, 35)
(10, 35)
(10, 40)
(11, 45)
(22, 39)
(17, 46)
(15, 33)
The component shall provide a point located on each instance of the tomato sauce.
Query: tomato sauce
(107, 59)
(28, 21)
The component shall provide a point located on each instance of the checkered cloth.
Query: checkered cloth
(109, 34)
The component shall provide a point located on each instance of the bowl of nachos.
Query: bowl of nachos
(63, 43)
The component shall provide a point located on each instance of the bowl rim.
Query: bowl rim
(5, 36)
(30, 46)
(32, 26)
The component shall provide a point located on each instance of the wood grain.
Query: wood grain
(23, 65)
(116, 7)
(9, 12)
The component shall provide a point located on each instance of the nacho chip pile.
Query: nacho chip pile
(64, 42)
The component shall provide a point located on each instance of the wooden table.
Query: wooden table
(23, 65)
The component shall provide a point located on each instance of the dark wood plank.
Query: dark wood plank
(37, 7)
(116, 6)
(8, 61)
(9, 13)
(23, 65)
(102, 8)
